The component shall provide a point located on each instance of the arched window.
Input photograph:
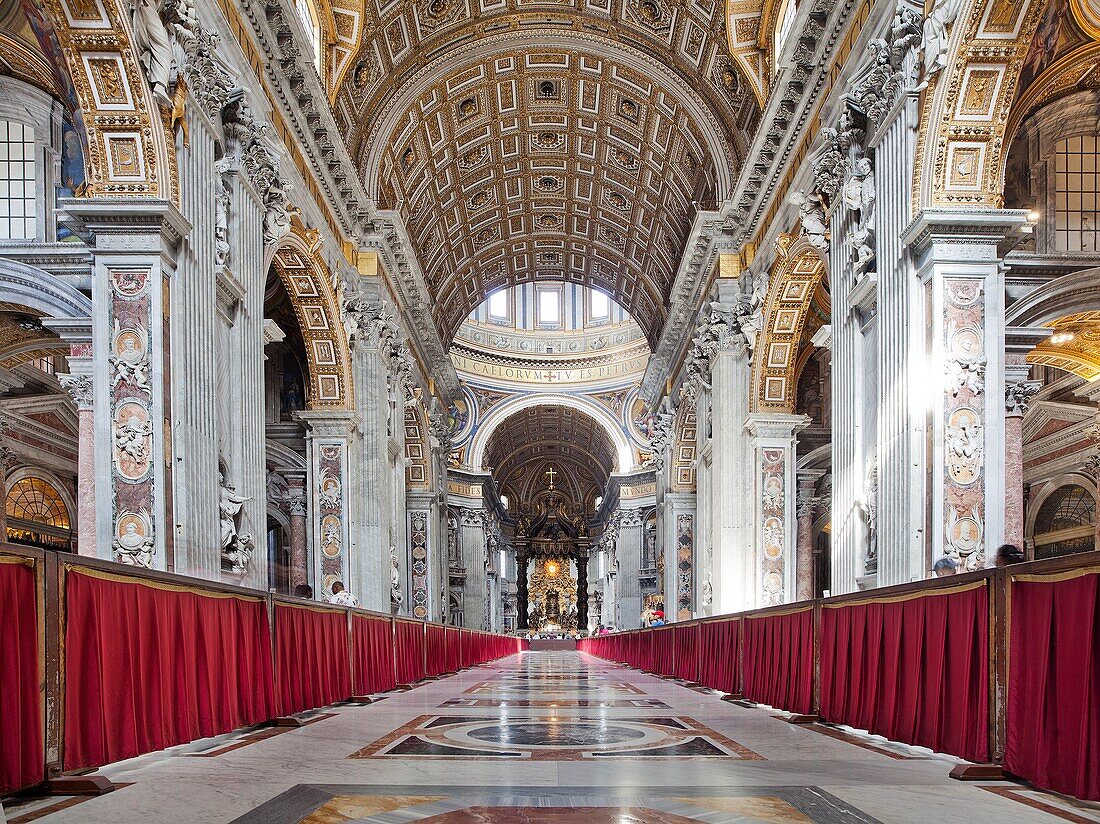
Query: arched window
(784, 23)
(307, 12)
(18, 219)
(1076, 189)
(1065, 523)
(37, 514)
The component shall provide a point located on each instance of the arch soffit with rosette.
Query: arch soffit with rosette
(309, 285)
(797, 274)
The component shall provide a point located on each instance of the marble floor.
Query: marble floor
(554, 738)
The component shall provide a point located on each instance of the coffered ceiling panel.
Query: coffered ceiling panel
(528, 443)
(559, 141)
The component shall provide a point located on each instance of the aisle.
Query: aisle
(544, 737)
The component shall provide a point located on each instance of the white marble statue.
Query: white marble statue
(230, 506)
(811, 214)
(936, 36)
(396, 597)
(154, 46)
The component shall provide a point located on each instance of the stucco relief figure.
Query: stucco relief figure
(230, 506)
(130, 362)
(396, 598)
(966, 361)
(133, 542)
(130, 438)
(154, 47)
(811, 215)
(936, 36)
(221, 216)
(277, 214)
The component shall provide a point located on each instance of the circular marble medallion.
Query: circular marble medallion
(556, 734)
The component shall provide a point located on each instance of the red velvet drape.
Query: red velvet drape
(311, 657)
(779, 660)
(664, 650)
(408, 654)
(21, 747)
(372, 653)
(454, 649)
(437, 649)
(687, 652)
(1053, 714)
(914, 670)
(148, 667)
(719, 656)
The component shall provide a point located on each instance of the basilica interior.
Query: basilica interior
(588, 374)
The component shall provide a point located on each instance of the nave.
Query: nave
(548, 737)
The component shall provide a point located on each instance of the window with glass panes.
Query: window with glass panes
(1076, 187)
(17, 209)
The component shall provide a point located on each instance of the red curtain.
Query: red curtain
(779, 660)
(1053, 714)
(149, 667)
(311, 657)
(687, 652)
(913, 670)
(409, 651)
(372, 650)
(21, 746)
(437, 649)
(719, 660)
(664, 650)
(454, 649)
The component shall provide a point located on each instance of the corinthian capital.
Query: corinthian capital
(80, 388)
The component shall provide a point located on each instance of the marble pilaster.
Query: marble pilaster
(774, 504)
(80, 388)
(327, 450)
(134, 259)
(1018, 393)
(731, 486)
(959, 261)
(471, 540)
(628, 550)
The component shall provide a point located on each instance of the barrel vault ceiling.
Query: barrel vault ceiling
(558, 141)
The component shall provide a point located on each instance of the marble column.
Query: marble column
(959, 261)
(327, 445)
(134, 259)
(1018, 393)
(298, 506)
(582, 590)
(774, 508)
(805, 507)
(80, 388)
(521, 589)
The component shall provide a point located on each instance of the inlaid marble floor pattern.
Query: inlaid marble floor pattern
(548, 738)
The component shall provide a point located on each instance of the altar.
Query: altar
(552, 597)
(552, 570)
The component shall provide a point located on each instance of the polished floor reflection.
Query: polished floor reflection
(548, 738)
